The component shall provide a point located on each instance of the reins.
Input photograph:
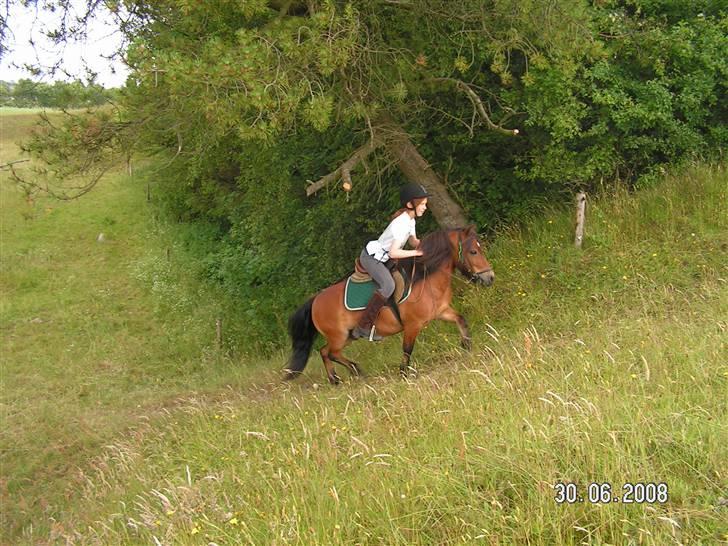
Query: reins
(424, 280)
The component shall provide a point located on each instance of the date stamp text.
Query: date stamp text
(606, 493)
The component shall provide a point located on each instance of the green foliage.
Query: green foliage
(652, 98)
(74, 150)
(262, 241)
(318, 112)
(29, 94)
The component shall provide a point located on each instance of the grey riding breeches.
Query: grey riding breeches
(379, 272)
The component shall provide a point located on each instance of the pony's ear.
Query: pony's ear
(471, 230)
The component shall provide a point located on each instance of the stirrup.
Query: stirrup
(373, 336)
(360, 333)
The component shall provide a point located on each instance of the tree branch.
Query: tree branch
(344, 170)
(67, 194)
(9, 165)
(478, 104)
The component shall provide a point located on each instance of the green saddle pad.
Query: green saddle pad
(358, 294)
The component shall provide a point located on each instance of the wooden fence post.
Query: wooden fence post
(218, 329)
(580, 218)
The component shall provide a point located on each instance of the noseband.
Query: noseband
(463, 268)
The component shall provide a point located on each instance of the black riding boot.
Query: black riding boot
(366, 322)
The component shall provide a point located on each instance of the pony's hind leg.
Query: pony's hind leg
(334, 379)
(353, 367)
(331, 353)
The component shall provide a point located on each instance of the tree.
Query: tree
(210, 79)
(76, 151)
(253, 71)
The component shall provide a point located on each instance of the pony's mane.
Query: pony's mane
(436, 251)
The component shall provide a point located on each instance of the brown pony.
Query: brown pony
(431, 296)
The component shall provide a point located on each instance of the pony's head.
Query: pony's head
(470, 259)
(460, 247)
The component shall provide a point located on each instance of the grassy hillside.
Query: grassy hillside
(124, 423)
(96, 336)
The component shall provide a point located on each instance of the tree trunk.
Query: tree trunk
(416, 169)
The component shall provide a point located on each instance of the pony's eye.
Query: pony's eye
(473, 252)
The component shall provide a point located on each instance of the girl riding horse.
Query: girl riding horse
(441, 253)
(413, 198)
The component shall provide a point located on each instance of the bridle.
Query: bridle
(462, 266)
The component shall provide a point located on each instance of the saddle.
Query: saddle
(360, 286)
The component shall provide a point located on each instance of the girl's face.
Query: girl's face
(421, 207)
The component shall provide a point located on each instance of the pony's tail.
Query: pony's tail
(302, 332)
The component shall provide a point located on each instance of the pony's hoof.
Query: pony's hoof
(466, 343)
(334, 379)
(408, 372)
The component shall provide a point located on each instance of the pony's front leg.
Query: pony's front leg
(450, 315)
(408, 344)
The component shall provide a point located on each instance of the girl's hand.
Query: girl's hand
(418, 253)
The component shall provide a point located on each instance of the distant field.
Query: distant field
(124, 423)
(15, 123)
(10, 110)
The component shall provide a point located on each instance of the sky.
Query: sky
(26, 23)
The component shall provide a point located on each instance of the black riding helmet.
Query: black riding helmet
(412, 191)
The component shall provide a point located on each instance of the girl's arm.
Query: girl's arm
(396, 251)
(413, 241)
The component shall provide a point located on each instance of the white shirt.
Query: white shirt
(400, 229)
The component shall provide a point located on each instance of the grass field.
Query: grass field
(124, 424)
(95, 335)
